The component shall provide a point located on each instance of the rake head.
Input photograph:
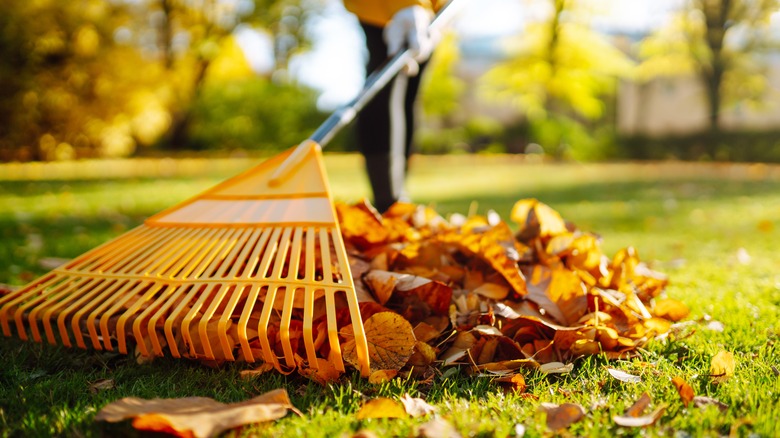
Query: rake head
(242, 271)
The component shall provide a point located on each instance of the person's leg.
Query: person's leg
(385, 127)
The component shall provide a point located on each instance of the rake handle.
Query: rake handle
(343, 116)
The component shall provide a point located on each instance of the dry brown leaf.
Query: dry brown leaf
(536, 219)
(623, 376)
(381, 407)
(251, 374)
(196, 416)
(701, 401)
(633, 416)
(556, 368)
(438, 428)
(641, 421)
(562, 416)
(684, 389)
(416, 407)
(722, 366)
(390, 342)
(101, 385)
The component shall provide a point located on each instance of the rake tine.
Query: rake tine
(262, 329)
(129, 313)
(308, 337)
(333, 331)
(41, 299)
(163, 298)
(222, 324)
(243, 338)
(9, 301)
(185, 325)
(284, 327)
(219, 295)
(109, 288)
(151, 326)
(54, 307)
(78, 304)
(168, 326)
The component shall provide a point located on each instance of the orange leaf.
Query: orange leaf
(196, 416)
(684, 389)
(390, 342)
(382, 376)
(536, 219)
(381, 407)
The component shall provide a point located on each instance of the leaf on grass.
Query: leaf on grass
(381, 407)
(556, 368)
(196, 416)
(390, 342)
(416, 407)
(642, 421)
(101, 385)
(251, 374)
(623, 376)
(382, 376)
(633, 416)
(684, 389)
(324, 373)
(671, 309)
(514, 382)
(722, 366)
(562, 416)
(438, 428)
(701, 401)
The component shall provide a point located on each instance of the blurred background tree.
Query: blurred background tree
(723, 43)
(99, 78)
(560, 74)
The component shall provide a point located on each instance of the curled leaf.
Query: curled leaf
(623, 376)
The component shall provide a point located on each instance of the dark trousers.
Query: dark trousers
(386, 150)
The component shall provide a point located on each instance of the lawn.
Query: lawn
(712, 228)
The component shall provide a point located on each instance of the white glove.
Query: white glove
(409, 27)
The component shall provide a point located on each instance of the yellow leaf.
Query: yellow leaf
(670, 309)
(390, 342)
(382, 376)
(722, 366)
(381, 407)
(196, 416)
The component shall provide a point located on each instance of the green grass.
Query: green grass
(690, 221)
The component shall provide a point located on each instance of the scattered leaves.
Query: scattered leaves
(196, 416)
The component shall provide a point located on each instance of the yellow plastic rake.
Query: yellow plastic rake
(224, 264)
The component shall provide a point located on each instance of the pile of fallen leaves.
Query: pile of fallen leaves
(470, 291)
